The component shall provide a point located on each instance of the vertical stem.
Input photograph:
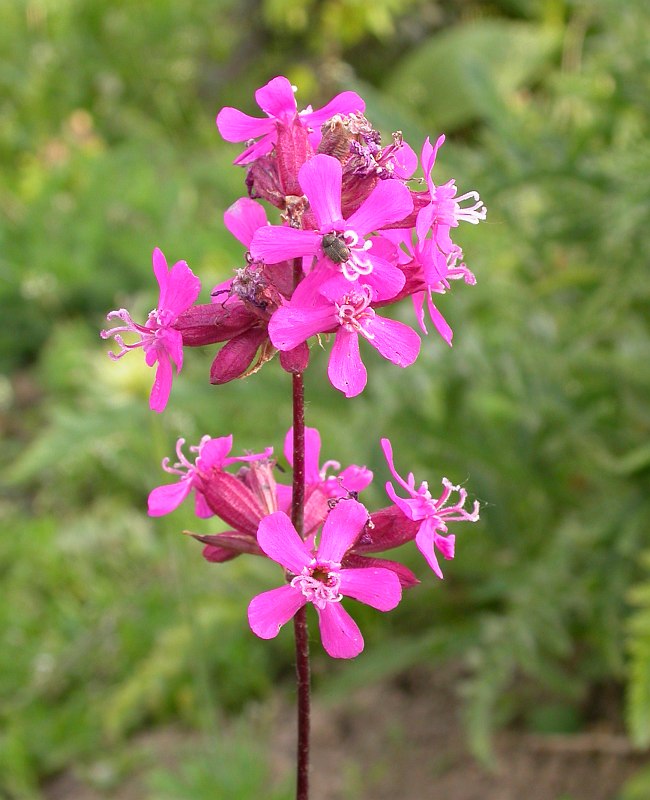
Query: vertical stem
(303, 686)
(300, 619)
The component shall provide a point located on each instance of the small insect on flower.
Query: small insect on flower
(335, 248)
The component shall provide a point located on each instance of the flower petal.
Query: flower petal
(312, 453)
(395, 340)
(164, 499)
(276, 98)
(343, 103)
(389, 201)
(385, 280)
(288, 326)
(162, 384)
(160, 270)
(441, 324)
(345, 369)
(181, 288)
(342, 527)
(235, 126)
(374, 586)
(281, 542)
(320, 179)
(353, 479)
(339, 633)
(269, 611)
(243, 218)
(275, 243)
(213, 452)
(425, 542)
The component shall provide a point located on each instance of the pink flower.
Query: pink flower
(444, 210)
(351, 479)
(345, 308)
(430, 271)
(432, 514)
(339, 244)
(212, 454)
(162, 344)
(277, 101)
(318, 578)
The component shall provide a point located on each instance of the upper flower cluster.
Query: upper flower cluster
(356, 233)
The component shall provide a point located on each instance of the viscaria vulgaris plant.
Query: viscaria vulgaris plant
(355, 233)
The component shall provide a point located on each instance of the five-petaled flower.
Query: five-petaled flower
(162, 344)
(344, 308)
(339, 244)
(317, 577)
(432, 514)
(278, 102)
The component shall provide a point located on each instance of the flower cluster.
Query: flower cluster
(356, 232)
(362, 231)
(332, 561)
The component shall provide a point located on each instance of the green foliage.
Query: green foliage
(236, 767)
(638, 698)
(483, 63)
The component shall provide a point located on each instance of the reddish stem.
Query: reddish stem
(300, 619)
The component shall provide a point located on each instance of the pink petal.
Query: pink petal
(243, 218)
(281, 542)
(410, 508)
(440, 322)
(418, 307)
(171, 341)
(289, 326)
(235, 126)
(316, 509)
(355, 478)
(339, 633)
(181, 290)
(344, 103)
(201, 507)
(320, 179)
(405, 576)
(162, 384)
(312, 453)
(429, 154)
(387, 447)
(395, 341)
(269, 611)
(424, 220)
(342, 527)
(405, 161)
(389, 201)
(164, 499)
(425, 543)
(259, 148)
(385, 280)
(275, 243)
(276, 98)
(345, 369)
(213, 452)
(160, 271)
(376, 587)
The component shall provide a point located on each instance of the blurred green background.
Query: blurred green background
(111, 623)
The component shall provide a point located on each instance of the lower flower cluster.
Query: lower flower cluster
(334, 559)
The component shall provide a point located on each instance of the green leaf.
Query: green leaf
(460, 75)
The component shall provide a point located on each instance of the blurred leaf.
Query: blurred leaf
(448, 80)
